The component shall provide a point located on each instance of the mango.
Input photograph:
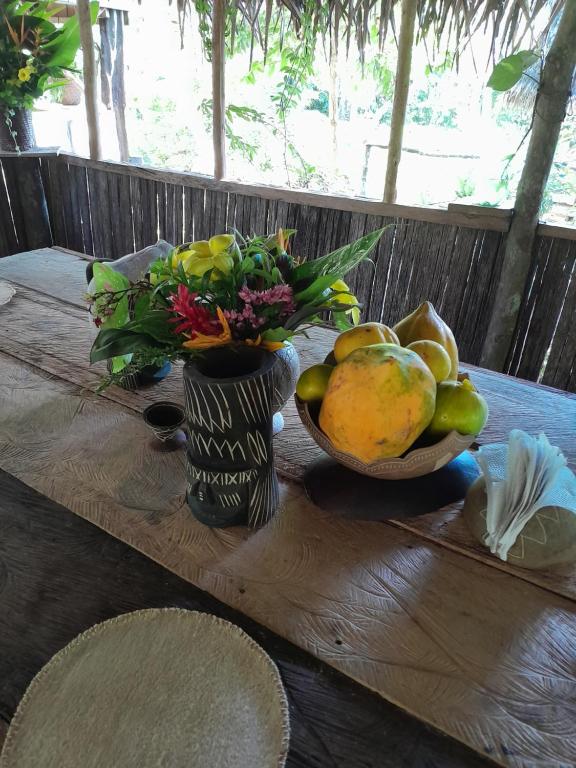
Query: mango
(435, 357)
(426, 323)
(378, 402)
(362, 336)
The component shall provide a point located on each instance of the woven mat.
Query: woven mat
(162, 687)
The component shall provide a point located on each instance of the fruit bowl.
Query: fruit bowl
(415, 463)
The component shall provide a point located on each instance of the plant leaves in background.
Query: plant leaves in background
(508, 71)
(66, 42)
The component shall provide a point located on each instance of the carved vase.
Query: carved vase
(231, 396)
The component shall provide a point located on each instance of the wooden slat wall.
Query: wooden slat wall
(24, 223)
(544, 347)
(107, 212)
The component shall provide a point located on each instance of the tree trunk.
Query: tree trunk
(550, 109)
(90, 85)
(401, 88)
(218, 89)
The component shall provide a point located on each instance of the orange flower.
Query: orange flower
(271, 346)
(202, 341)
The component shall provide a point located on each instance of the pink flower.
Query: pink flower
(279, 294)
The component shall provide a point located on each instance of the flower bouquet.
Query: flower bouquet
(228, 307)
(227, 291)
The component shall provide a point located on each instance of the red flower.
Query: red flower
(192, 317)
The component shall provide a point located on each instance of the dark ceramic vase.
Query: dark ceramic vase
(230, 401)
(19, 134)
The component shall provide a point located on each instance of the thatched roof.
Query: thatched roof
(509, 22)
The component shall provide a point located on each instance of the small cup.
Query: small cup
(165, 420)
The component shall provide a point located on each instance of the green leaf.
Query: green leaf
(155, 324)
(248, 264)
(341, 261)
(141, 305)
(316, 289)
(114, 342)
(508, 71)
(119, 363)
(65, 44)
(108, 279)
(277, 334)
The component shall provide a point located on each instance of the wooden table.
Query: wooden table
(483, 652)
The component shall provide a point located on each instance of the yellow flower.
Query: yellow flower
(345, 297)
(202, 341)
(25, 73)
(197, 258)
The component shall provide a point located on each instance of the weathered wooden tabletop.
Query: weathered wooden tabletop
(414, 611)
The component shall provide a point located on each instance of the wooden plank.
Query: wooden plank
(81, 203)
(476, 217)
(73, 181)
(150, 201)
(199, 215)
(118, 223)
(91, 577)
(188, 221)
(552, 265)
(553, 230)
(376, 603)
(138, 213)
(561, 360)
(10, 170)
(96, 218)
(9, 237)
(162, 209)
(177, 214)
(101, 214)
(354, 205)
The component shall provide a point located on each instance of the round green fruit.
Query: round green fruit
(460, 408)
(313, 383)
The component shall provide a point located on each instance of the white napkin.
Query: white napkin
(522, 477)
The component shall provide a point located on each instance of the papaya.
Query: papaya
(378, 402)
(426, 323)
(362, 336)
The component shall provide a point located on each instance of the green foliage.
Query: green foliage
(509, 70)
(425, 111)
(319, 102)
(339, 262)
(34, 53)
(466, 187)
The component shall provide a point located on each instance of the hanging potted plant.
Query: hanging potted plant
(35, 55)
(229, 308)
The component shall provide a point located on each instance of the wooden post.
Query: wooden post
(112, 85)
(90, 85)
(218, 89)
(550, 109)
(401, 88)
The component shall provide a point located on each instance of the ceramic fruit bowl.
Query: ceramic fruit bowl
(416, 462)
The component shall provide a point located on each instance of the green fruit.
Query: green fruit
(459, 407)
(313, 383)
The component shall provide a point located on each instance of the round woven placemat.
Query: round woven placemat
(164, 688)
